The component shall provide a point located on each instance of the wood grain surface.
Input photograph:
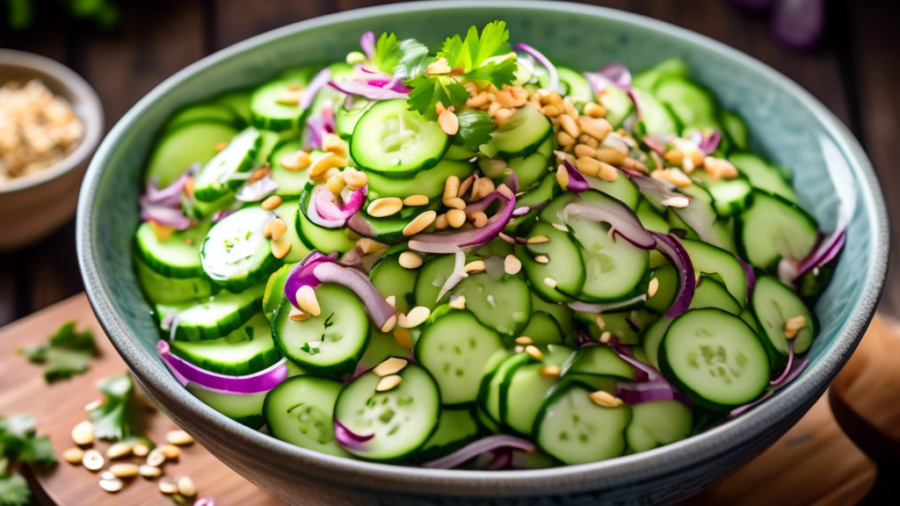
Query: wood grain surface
(814, 453)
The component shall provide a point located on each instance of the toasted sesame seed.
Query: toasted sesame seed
(550, 370)
(388, 383)
(307, 301)
(542, 259)
(538, 239)
(420, 223)
(390, 366)
(415, 317)
(654, 286)
(271, 202)
(605, 399)
(601, 323)
(534, 352)
(384, 207)
(605, 337)
(410, 260)
(524, 340)
(474, 266)
(415, 200)
(550, 282)
(389, 324)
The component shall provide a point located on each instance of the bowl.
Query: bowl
(795, 129)
(34, 206)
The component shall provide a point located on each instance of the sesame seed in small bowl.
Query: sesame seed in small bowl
(51, 121)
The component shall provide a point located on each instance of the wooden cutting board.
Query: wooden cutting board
(813, 464)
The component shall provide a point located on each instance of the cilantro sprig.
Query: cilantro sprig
(119, 416)
(20, 443)
(65, 354)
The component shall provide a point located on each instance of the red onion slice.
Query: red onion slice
(798, 368)
(348, 438)
(312, 209)
(576, 182)
(170, 196)
(501, 461)
(456, 241)
(218, 215)
(257, 190)
(598, 308)
(512, 181)
(488, 444)
(749, 274)
(553, 85)
(671, 247)
(164, 215)
(706, 143)
(394, 84)
(318, 82)
(367, 43)
(455, 277)
(331, 211)
(367, 90)
(639, 393)
(787, 368)
(619, 216)
(318, 126)
(302, 275)
(829, 249)
(186, 372)
(377, 308)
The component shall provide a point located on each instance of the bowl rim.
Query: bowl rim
(277, 457)
(82, 93)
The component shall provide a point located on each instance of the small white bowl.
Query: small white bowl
(33, 206)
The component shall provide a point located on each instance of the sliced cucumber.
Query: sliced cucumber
(330, 344)
(543, 329)
(345, 119)
(245, 409)
(658, 423)
(324, 240)
(736, 128)
(763, 175)
(458, 153)
(599, 360)
(275, 290)
(396, 142)
(651, 219)
(201, 113)
(621, 188)
(489, 395)
(667, 277)
(177, 149)
(218, 176)
(560, 312)
(165, 290)
(456, 349)
(693, 105)
(708, 259)
(773, 305)
(177, 256)
(287, 211)
(456, 429)
(712, 294)
(429, 182)
(715, 359)
(289, 182)
(218, 316)
(656, 119)
(648, 78)
(239, 102)
(402, 419)
(522, 134)
(617, 103)
(575, 430)
(390, 278)
(531, 169)
(235, 253)
(729, 196)
(773, 228)
(247, 350)
(565, 265)
(381, 347)
(572, 83)
(271, 106)
(503, 304)
(300, 411)
(653, 338)
(522, 395)
(431, 279)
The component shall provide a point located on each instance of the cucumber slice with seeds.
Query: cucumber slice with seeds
(431, 278)
(183, 146)
(246, 350)
(218, 316)
(219, 176)
(177, 256)
(522, 134)
(300, 411)
(773, 305)
(456, 429)
(772, 228)
(390, 278)
(565, 265)
(503, 304)
(429, 182)
(235, 253)
(658, 423)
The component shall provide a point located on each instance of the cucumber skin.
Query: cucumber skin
(260, 275)
(221, 328)
(203, 286)
(739, 223)
(437, 452)
(348, 366)
(670, 375)
(209, 194)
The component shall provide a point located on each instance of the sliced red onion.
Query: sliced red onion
(798, 368)
(167, 322)
(708, 144)
(352, 258)
(575, 183)
(749, 274)
(512, 181)
(787, 368)
(829, 249)
(618, 74)
(657, 142)
(787, 271)
(584, 339)
(619, 216)
(164, 215)
(598, 308)
(257, 190)
(799, 24)
(643, 372)
(657, 191)
(218, 215)
(649, 391)
(367, 90)
(348, 438)
(331, 211)
(553, 85)
(488, 444)
(170, 196)
(367, 43)
(186, 372)
(312, 210)
(318, 82)
(315, 256)
(302, 275)
(318, 126)
(502, 460)
(394, 84)
(455, 277)
(521, 211)
(671, 247)
(455, 241)
(377, 308)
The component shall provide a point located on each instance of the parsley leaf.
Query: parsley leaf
(387, 53)
(427, 91)
(470, 53)
(66, 353)
(404, 58)
(118, 417)
(38, 450)
(14, 491)
(475, 128)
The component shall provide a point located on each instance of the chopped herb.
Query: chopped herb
(65, 354)
(19, 442)
(119, 416)
(475, 128)
(14, 491)
(311, 348)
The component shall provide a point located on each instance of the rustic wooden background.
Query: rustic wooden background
(854, 73)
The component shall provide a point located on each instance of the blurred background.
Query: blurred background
(845, 52)
(124, 48)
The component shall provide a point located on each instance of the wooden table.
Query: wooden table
(854, 74)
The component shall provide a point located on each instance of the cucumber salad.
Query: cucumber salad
(469, 256)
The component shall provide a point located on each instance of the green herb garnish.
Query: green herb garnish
(19, 443)
(118, 417)
(65, 354)
(475, 129)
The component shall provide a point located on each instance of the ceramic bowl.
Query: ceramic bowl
(33, 206)
(788, 123)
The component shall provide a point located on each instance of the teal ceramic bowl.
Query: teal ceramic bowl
(786, 122)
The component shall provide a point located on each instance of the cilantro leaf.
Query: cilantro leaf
(472, 52)
(118, 417)
(414, 60)
(66, 353)
(427, 91)
(497, 73)
(387, 53)
(18, 427)
(38, 450)
(14, 491)
(475, 128)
